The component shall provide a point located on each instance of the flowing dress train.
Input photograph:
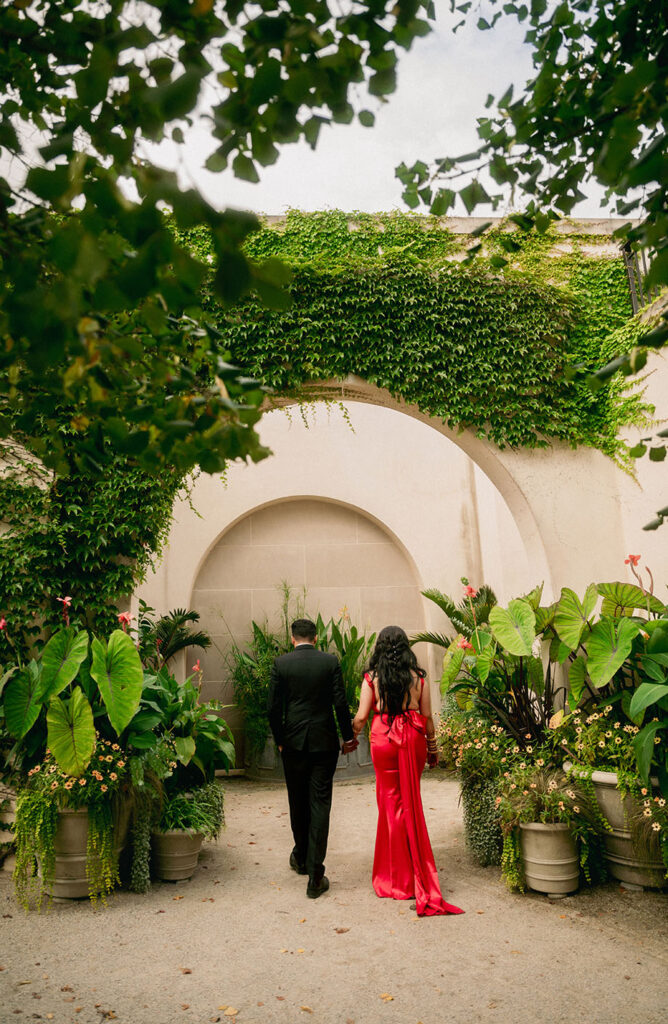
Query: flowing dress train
(403, 866)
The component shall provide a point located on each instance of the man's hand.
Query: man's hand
(348, 746)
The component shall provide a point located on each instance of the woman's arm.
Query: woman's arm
(364, 709)
(430, 729)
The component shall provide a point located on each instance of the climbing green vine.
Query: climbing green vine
(386, 297)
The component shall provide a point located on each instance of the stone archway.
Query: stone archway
(551, 492)
(336, 560)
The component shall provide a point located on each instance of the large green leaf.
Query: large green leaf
(452, 663)
(608, 646)
(622, 598)
(484, 661)
(576, 682)
(646, 694)
(658, 641)
(534, 596)
(545, 616)
(118, 672)
(185, 748)
(71, 732)
(515, 627)
(572, 615)
(643, 744)
(61, 660)
(22, 701)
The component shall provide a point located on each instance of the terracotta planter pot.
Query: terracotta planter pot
(70, 880)
(174, 854)
(550, 858)
(644, 868)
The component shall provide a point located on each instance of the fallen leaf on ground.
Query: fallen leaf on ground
(280, 998)
(302, 920)
(516, 951)
(49, 1016)
(231, 1012)
(300, 950)
(386, 997)
(562, 916)
(340, 931)
(480, 911)
(159, 911)
(177, 897)
(186, 970)
(185, 1006)
(6, 915)
(223, 1007)
(66, 988)
(78, 1009)
(68, 999)
(260, 1004)
(284, 951)
(306, 1009)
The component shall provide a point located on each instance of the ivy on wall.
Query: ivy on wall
(90, 537)
(386, 297)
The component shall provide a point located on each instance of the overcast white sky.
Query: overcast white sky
(443, 81)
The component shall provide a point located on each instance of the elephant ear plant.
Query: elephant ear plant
(66, 713)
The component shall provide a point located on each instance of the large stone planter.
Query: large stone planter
(268, 766)
(550, 858)
(174, 854)
(643, 868)
(70, 880)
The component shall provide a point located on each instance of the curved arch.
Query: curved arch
(485, 455)
(287, 499)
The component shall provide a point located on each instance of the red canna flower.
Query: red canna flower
(632, 560)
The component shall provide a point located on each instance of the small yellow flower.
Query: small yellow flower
(113, 776)
(656, 826)
(82, 782)
(54, 785)
(69, 784)
(647, 812)
(644, 791)
(576, 809)
(104, 788)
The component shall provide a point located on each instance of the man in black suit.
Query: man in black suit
(304, 686)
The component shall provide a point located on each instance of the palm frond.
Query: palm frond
(431, 638)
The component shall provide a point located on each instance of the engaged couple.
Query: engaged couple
(305, 691)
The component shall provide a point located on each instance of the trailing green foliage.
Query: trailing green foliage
(481, 820)
(385, 298)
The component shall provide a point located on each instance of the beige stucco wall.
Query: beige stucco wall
(367, 510)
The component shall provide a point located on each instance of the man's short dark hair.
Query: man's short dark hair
(304, 629)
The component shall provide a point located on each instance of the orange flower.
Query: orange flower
(104, 788)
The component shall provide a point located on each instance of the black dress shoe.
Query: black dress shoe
(296, 866)
(315, 889)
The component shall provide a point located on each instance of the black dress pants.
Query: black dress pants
(309, 776)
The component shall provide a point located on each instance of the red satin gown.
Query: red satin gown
(403, 865)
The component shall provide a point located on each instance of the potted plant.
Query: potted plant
(66, 829)
(599, 749)
(189, 803)
(70, 705)
(550, 830)
(186, 820)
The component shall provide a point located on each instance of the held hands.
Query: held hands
(348, 746)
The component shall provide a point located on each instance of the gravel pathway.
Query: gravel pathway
(242, 941)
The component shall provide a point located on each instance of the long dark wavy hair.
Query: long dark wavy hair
(393, 664)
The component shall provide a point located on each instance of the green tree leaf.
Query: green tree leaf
(576, 682)
(118, 672)
(623, 598)
(71, 732)
(452, 663)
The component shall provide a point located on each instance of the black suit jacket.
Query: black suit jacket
(303, 687)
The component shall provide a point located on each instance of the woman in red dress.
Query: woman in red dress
(402, 739)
